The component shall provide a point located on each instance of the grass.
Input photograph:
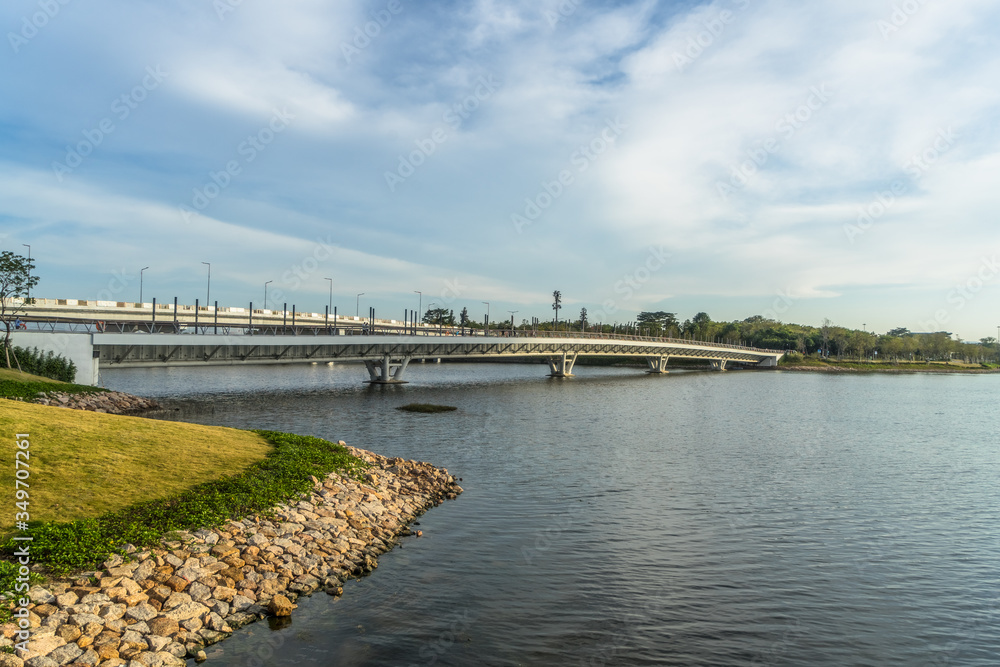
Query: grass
(84, 464)
(24, 386)
(427, 408)
(102, 481)
(876, 366)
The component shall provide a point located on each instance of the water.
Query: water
(621, 519)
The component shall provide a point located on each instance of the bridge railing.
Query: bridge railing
(349, 328)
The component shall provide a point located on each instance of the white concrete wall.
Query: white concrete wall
(77, 347)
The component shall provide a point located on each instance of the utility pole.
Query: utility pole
(208, 292)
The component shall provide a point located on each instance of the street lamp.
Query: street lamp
(420, 304)
(330, 309)
(357, 306)
(512, 318)
(28, 246)
(208, 290)
(140, 283)
(486, 331)
(265, 292)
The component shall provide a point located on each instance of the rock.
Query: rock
(89, 657)
(224, 593)
(8, 660)
(67, 599)
(113, 561)
(221, 608)
(176, 600)
(144, 571)
(41, 661)
(107, 651)
(164, 626)
(66, 654)
(141, 612)
(41, 595)
(280, 606)
(157, 643)
(240, 603)
(199, 591)
(69, 632)
(177, 583)
(130, 650)
(200, 656)
(186, 611)
(45, 610)
(190, 574)
(112, 612)
(42, 646)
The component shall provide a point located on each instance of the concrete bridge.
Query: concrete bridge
(385, 356)
(99, 334)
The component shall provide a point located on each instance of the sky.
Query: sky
(801, 161)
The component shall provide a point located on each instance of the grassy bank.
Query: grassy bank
(24, 386)
(100, 481)
(807, 363)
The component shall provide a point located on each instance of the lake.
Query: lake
(616, 518)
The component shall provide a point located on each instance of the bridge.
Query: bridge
(385, 347)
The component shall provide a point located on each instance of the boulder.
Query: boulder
(280, 606)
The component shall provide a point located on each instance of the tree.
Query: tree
(463, 317)
(583, 319)
(658, 322)
(557, 304)
(826, 330)
(15, 283)
(440, 316)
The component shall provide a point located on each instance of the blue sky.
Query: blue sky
(799, 160)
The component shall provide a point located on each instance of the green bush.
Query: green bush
(47, 364)
(283, 475)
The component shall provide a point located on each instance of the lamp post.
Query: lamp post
(28, 246)
(357, 305)
(140, 282)
(420, 304)
(512, 318)
(330, 309)
(208, 290)
(265, 292)
(486, 331)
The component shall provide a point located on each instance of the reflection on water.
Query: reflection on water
(623, 519)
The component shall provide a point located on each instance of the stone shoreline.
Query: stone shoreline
(170, 602)
(110, 402)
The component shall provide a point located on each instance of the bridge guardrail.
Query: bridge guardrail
(350, 328)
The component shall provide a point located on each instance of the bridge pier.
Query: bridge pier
(381, 372)
(719, 365)
(657, 365)
(562, 367)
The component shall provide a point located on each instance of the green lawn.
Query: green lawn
(84, 464)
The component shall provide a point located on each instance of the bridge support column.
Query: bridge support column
(657, 365)
(381, 372)
(719, 365)
(562, 367)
